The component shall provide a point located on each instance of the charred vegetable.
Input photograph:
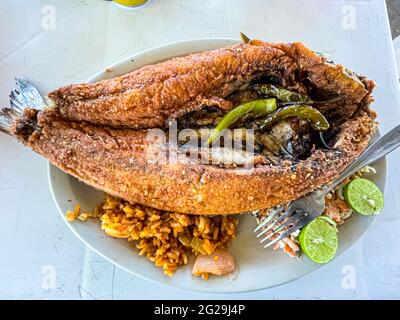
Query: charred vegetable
(254, 108)
(318, 121)
(244, 38)
(282, 94)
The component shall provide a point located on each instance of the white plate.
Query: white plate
(257, 268)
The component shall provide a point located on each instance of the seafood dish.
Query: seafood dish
(181, 146)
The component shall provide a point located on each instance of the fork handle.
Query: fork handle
(374, 152)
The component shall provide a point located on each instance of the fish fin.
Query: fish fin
(24, 96)
(7, 117)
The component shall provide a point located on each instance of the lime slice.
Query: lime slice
(363, 196)
(319, 240)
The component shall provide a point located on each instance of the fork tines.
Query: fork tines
(279, 224)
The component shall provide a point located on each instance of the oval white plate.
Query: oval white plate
(257, 268)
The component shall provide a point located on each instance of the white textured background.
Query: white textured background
(91, 34)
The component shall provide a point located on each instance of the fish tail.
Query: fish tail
(23, 98)
(8, 116)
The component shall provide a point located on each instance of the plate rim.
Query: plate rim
(126, 60)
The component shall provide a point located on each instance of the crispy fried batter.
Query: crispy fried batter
(152, 95)
(115, 161)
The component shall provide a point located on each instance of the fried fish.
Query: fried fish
(154, 94)
(99, 132)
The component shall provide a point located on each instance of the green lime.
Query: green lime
(319, 240)
(363, 196)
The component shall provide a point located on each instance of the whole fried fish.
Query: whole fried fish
(115, 161)
(99, 132)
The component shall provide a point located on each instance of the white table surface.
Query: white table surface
(87, 36)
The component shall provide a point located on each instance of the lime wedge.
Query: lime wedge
(363, 196)
(319, 240)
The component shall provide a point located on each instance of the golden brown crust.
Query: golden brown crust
(150, 96)
(115, 161)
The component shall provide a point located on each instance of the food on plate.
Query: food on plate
(218, 263)
(254, 108)
(165, 238)
(121, 219)
(337, 211)
(319, 240)
(364, 197)
(182, 145)
(152, 95)
(91, 130)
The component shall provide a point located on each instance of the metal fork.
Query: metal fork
(284, 221)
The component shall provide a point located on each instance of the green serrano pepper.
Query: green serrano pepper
(282, 94)
(255, 108)
(318, 121)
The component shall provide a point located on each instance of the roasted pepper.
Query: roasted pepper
(282, 94)
(318, 121)
(244, 38)
(255, 108)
